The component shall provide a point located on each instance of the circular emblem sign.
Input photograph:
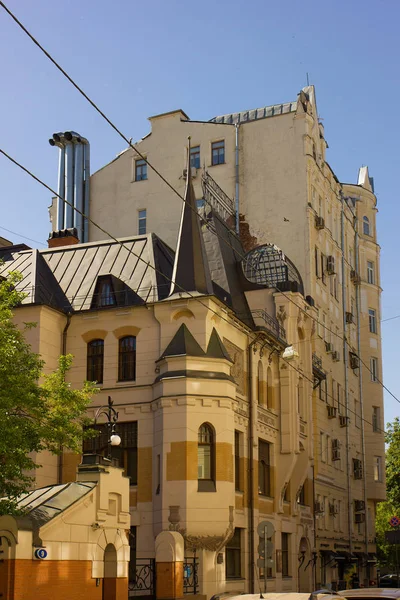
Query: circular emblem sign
(394, 521)
(40, 553)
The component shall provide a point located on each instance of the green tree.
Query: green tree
(385, 510)
(33, 416)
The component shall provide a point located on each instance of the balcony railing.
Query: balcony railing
(270, 323)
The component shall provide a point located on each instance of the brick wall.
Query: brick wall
(52, 579)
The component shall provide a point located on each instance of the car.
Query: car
(371, 594)
(317, 595)
(391, 580)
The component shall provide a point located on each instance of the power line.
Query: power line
(243, 327)
(127, 140)
(22, 236)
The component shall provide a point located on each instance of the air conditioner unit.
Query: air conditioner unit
(359, 505)
(333, 510)
(359, 518)
(331, 412)
(319, 223)
(349, 317)
(330, 265)
(354, 276)
(193, 172)
(336, 356)
(319, 508)
(328, 347)
(354, 361)
(344, 421)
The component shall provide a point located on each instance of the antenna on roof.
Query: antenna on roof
(308, 83)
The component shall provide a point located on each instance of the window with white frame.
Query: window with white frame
(373, 362)
(378, 468)
(376, 419)
(372, 320)
(370, 272)
(142, 218)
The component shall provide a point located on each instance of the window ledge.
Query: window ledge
(125, 381)
(264, 497)
(233, 578)
(239, 492)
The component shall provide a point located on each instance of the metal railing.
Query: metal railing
(190, 575)
(271, 324)
(216, 196)
(142, 578)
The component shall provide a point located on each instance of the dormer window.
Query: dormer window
(105, 294)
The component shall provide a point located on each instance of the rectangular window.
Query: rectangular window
(323, 446)
(322, 390)
(142, 218)
(140, 170)
(377, 468)
(333, 399)
(323, 263)
(238, 482)
(264, 468)
(316, 262)
(126, 453)
(376, 419)
(95, 361)
(339, 399)
(195, 157)
(218, 153)
(324, 328)
(233, 557)
(285, 555)
(370, 272)
(373, 365)
(372, 320)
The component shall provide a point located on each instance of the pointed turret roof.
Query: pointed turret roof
(191, 271)
(216, 348)
(183, 344)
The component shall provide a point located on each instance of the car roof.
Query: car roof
(370, 593)
(284, 596)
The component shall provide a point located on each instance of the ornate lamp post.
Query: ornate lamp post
(112, 417)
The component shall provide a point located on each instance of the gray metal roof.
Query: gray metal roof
(42, 505)
(256, 113)
(66, 277)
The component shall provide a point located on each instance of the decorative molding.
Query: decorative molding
(237, 369)
(213, 543)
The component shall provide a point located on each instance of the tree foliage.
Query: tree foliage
(385, 510)
(37, 412)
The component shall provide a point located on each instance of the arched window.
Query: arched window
(366, 227)
(261, 399)
(95, 361)
(206, 458)
(270, 389)
(127, 358)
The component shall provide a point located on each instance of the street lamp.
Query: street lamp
(112, 417)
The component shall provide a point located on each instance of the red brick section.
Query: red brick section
(55, 580)
(62, 241)
(169, 580)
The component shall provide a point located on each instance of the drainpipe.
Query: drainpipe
(360, 389)
(69, 181)
(237, 177)
(86, 197)
(251, 465)
(346, 383)
(63, 352)
(78, 187)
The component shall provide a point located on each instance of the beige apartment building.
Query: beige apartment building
(225, 427)
(215, 407)
(265, 172)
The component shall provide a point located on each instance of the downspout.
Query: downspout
(63, 352)
(315, 552)
(251, 465)
(86, 195)
(237, 177)
(346, 383)
(360, 388)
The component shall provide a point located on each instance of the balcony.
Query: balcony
(318, 372)
(265, 321)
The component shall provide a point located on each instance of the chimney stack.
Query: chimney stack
(63, 237)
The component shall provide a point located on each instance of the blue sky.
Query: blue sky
(137, 59)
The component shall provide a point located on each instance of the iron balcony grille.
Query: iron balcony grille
(271, 324)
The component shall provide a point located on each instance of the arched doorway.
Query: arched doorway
(110, 573)
(305, 568)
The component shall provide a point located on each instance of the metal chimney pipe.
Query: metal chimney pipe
(78, 188)
(69, 183)
(86, 195)
(61, 188)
